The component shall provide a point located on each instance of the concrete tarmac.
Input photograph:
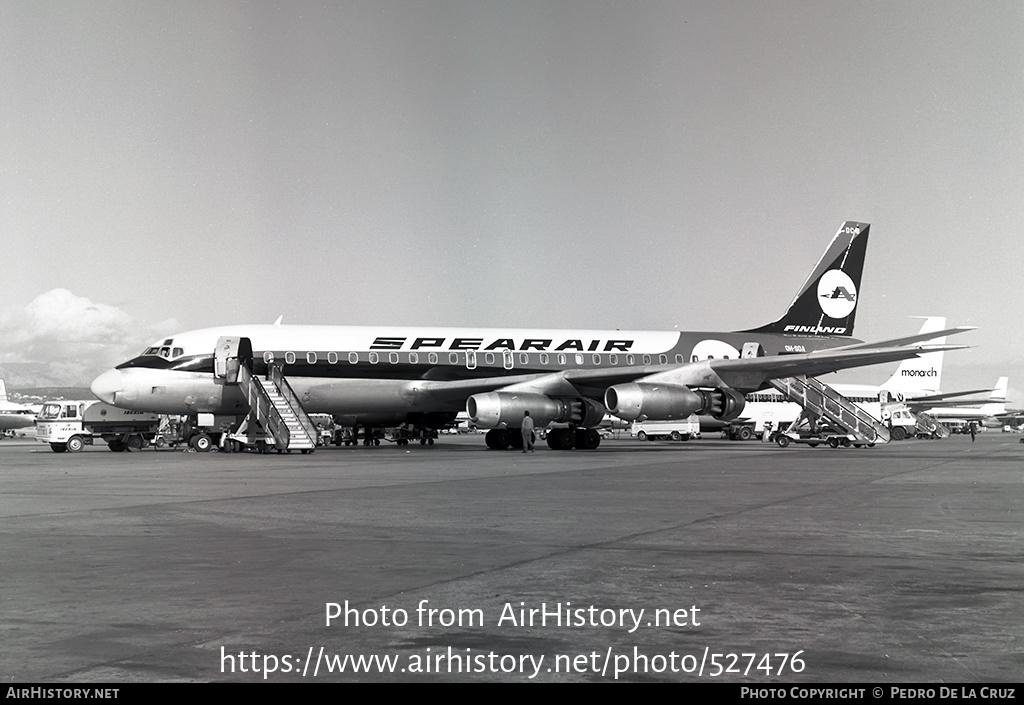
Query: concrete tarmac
(703, 561)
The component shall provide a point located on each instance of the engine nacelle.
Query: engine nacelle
(640, 401)
(505, 409)
(660, 402)
(498, 409)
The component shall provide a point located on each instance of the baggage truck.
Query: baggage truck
(72, 425)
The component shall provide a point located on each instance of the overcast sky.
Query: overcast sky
(645, 165)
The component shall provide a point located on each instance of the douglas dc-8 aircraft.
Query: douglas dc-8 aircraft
(385, 376)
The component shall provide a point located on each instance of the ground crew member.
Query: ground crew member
(527, 432)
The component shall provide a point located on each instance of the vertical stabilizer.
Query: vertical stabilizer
(924, 373)
(997, 399)
(3, 390)
(827, 302)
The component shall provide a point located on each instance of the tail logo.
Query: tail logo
(837, 294)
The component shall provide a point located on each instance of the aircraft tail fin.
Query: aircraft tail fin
(923, 373)
(3, 390)
(827, 302)
(999, 391)
(997, 399)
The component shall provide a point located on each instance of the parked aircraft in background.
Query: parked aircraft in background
(384, 375)
(960, 411)
(14, 416)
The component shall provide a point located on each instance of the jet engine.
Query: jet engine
(497, 409)
(642, 401)
(664, 402)
(723, 403)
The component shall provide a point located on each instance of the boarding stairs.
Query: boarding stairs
(928, 425)
(821, 400)
(274, 407)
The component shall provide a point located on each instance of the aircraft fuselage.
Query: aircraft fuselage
(383, 374)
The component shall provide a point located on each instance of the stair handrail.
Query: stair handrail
(266, 413)
(277, 377)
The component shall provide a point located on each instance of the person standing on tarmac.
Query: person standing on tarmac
(527, 432)
(971, 424)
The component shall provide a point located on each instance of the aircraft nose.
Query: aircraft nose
(107, 385)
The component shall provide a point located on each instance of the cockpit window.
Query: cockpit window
(165, 350)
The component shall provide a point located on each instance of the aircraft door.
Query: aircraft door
(752, 350)
(231, 353)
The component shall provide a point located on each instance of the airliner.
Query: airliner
(14, 416)
(965, 410)
(371, 376)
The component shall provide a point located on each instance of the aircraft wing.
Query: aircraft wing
(923, 404)
(917, 337)
(750, 374)
(931, 398)
(744, 374)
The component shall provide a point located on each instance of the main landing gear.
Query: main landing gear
(558, 438)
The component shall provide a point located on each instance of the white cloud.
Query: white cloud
(74, 336)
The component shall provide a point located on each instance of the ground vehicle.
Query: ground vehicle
(407, 433)
(325, 428)
(72, 425)
(667, 430)
(900, 420)
(830, 438)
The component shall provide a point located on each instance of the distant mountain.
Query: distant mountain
(32, 375)
(21, 393)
